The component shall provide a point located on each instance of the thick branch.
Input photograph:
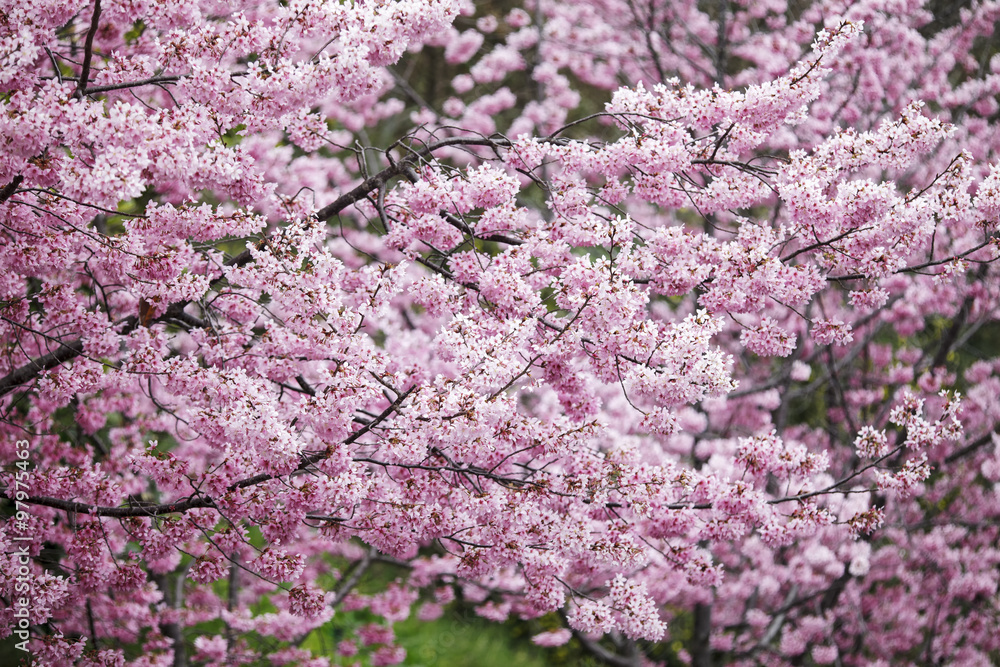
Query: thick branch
(73, 349)
(88, 50)
(9, 189)
(380, 180)
(34, 368)
(122, 512)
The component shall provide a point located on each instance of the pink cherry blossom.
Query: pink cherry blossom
(666, 329)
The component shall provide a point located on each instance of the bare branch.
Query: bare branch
(88, 51)
(154, 80)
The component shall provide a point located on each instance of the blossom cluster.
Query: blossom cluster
(276, 309)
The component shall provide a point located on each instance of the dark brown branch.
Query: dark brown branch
(454, 220)
(122, 512)
(154, 80)
(397, 168)
(316, 458)
(835, 590)
(232, 599)
(73, 349)
(380, 180)
(9, 189)
(90, 624)
(88, 50)
(35, 367)
(820, 244)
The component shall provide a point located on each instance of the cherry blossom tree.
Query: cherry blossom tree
(670, 324)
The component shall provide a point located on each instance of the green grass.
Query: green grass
(458, 639)
(465, 640)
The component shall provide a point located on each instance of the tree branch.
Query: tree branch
(352, 579)
(88, 51)
(701, 650)
(971, 447)
(73, 349)
(34, 368)
(196, 502)
(122, 512)
(602, 653)
(9, 189)
(398, 168)
(154, 80)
